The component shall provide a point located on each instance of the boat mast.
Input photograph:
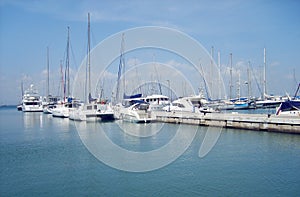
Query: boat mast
(239, 87)
(67, 74)
(63, 87)
(249, 81)
(89, 58)
(121, 66)
(47, 75)
(265, 82)
(211, 70)
(230, 85)
(219, 64)
(22, 89)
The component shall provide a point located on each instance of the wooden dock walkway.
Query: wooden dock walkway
(262, 122)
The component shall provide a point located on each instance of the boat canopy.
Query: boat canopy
(289, 105)
(132, 96)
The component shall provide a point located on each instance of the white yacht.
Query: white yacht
(61, 110)
(99, 111)
(181, 104)
(32, 101)
(138, 112)
(188, 104)
(156, 102)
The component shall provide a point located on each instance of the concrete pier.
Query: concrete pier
(261, 122)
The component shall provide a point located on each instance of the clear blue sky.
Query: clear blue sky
(240, 27)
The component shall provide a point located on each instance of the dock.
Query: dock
(259, 122)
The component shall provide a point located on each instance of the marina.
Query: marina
(149, 98)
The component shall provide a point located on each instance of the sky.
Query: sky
(243, 28)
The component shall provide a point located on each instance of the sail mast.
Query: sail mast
(219, 78)
(89, 58)
(47, 96)
(121, 66)
(67, 74)
(211, 70)
(265, 82)
(63, 87)
(249, 82)
(230, 85)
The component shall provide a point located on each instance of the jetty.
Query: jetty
(259, 122)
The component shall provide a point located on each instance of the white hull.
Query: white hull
(289, 113)
(32, 108)
(92, 112)
(31, 101)
(61, 112)
(133, 114)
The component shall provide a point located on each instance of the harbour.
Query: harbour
(153, 98)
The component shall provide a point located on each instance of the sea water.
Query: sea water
(45, 156)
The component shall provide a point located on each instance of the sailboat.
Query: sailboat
(62, 108)
(93, 109)
(133, 107)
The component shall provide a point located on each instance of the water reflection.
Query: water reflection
(130, 152)
(140, 130)
(62, 123)
(32, 120)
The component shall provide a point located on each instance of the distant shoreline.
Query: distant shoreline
(7, 106)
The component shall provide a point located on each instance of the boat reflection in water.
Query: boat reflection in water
(33, 120)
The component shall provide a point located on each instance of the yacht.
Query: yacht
(62, 109)
(156, 102)
(188, 104)
(49, 104)
(97, 111)
(32, 101)
(289, 108)
(138, 112)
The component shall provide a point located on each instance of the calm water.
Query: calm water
(44, 156)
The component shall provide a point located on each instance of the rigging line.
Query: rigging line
(205, 83)
(121, 66)
(256, 81)
(73, 56)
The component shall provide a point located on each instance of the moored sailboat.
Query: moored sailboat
(92, 109)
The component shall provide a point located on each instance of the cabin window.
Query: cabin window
(95, 106)
(89, 107)
(180, 105)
